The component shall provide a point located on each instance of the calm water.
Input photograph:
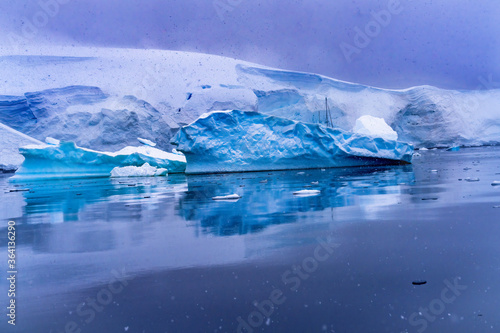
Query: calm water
(159, 255)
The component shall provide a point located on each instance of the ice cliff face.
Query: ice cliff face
(234, 141)
(106, 98)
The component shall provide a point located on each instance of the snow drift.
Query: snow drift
(235, 141)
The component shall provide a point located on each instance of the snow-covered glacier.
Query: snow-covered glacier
(235, 141)
(67, 160)
(106, 98)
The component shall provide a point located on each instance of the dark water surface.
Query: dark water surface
(159, 255)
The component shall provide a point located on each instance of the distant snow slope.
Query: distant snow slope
(10, 141)
(106, 98)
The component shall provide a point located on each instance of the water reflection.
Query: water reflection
(267, 198)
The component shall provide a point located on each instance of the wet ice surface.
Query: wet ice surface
(159, 255)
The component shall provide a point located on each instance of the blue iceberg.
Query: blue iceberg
(67, 160)
(237, 141)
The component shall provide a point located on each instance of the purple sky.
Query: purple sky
(447, 43)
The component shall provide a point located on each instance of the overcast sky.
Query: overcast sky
(447, 43)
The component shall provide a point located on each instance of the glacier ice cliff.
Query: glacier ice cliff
(67, 160)
(106, 98)
(235, 141)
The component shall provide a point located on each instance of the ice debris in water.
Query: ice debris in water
(227, 197)
(307, 192)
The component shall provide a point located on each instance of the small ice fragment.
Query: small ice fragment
(146, 142)
(52, 141)
(301, 173)
(323, 170)
(227, 197)
(470, 180)
(496, 183)
(263, 181)
(457, 148)
(307, 192)
(314, 183)
(423, 148)
(434, 171)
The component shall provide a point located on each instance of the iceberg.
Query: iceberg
(376, 127)
(67, 160)
(237, 141)
(10, 141)
(145, 170)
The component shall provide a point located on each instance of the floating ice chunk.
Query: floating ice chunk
(67, 160)
(145, 170)
(375, 127)
(471, 180)
(52, 141)
(250, 141)
(228, 197)
(307, 192)
(457, 148)
(147, 142)
(496, 183)
(423, 149)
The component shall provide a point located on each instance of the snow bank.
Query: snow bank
(238, 141)
(145, 170)
(10, 141)
(67, 160)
